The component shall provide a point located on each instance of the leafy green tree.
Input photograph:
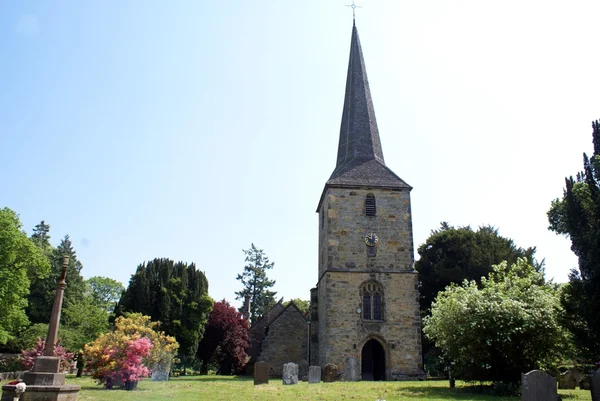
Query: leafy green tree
(20, 261)
(105, 291)
(451, 255)
(43, 290)
(495, 331)
(174, 293)
(302, 304)
(577, 216)
(255, 282)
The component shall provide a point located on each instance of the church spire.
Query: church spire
(360, 157)
(359, 136)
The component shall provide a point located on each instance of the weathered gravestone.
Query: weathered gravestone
(538, 386)
(290, 373)
(567, 381)
(584, 384)
(302, 368)
(351, 373)
(329, 373)
(160, 371)
(595, 386)
(314, 374)
(261, 373)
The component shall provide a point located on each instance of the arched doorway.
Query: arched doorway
(373, 361)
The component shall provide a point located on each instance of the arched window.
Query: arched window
(372, 301)
(370, 207)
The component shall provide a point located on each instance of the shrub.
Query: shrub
(29, 356)
(122, 356)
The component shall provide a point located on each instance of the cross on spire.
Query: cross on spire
(353, 7)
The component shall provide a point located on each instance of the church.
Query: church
(365, 304)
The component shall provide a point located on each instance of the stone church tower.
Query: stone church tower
(365, 304)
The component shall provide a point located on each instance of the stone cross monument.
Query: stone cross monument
(46, 382)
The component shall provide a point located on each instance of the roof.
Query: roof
(360, 159)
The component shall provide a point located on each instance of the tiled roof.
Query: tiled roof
(360, 157)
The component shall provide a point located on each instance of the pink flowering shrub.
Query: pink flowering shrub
(118, 361)
(29, 356)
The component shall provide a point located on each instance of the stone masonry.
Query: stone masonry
(285, 340)
(344, 266)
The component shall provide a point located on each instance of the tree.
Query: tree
(577, 216)
(104, 291)
(225, 339)
(41, 237)
(495, 331)
(451, 255)
(20, 261)
(256, 283)
(176, 294)
(43, 290)
(301, 304)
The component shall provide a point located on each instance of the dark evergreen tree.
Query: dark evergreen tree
(42, 291)
(452, 255)
(577, 216)
(256, 283)
(174, 293)
(41, 236)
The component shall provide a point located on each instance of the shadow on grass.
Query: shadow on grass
(449, 394)
(211, 378)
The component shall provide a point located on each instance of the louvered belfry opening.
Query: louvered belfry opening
(370, 208)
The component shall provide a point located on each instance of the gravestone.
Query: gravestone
(584, 384)
(595, 385)
(160, 371)
(290, 373)
(351, 372)
(314, 374)
(261, 373)
(567, 381)
(330, 373)
(538, 386)
(302, 368)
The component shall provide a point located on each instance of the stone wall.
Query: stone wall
(346, 332)
(257, 335)
(341, 238)
(344, 265)
(286, 341)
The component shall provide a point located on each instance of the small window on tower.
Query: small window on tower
(370, 208)
(372, 301)
(371, 251)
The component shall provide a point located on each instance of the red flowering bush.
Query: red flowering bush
(29, 356)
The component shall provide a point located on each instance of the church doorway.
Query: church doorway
(373, 361)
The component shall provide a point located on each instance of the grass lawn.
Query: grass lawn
(208, 388)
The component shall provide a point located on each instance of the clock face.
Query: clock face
(371, 239)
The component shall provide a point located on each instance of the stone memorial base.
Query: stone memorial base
(43, 383)
(66, 392)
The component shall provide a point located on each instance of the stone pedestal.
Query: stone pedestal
(67, 392)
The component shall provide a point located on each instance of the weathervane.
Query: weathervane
(353, 7)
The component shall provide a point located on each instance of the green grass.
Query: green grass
(209, 388)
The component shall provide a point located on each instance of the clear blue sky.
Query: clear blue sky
(190, 129)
